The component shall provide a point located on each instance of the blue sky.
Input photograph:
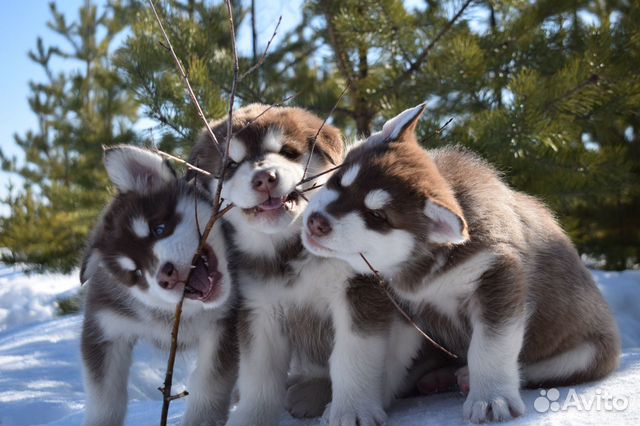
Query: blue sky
(21, 22)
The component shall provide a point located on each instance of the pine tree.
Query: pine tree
(546, 90)
(199, 32)
(77, 112)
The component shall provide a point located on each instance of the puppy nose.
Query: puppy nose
(265, 181)
(168, 276)
(318, 225)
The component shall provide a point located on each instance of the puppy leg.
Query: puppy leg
(264, 360)
(307, 398)
(494, 380)
(106, 371)
(498, 322)
(361, 321)
(211, 383)
(403, 348)
(439, 380)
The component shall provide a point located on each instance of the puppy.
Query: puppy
(287, 310)
(134, 271)
(485, 269)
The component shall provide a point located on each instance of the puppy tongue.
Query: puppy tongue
(199, 279)
(271, 204)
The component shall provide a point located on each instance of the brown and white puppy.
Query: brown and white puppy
(285, 292)
(486, 269)
(134, 271)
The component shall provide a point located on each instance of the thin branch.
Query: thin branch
(225, 159)
(180, 395)
(439, 130)
(254, 33)
(415, 65)
(592, 79)
(185, 79)
(181, 161)
(310, 178)
(254, 119)
(168, 377)
(315, 186)
(315, 138)
(342, 57)
(216, 213)
(264, 54)
(383, 285)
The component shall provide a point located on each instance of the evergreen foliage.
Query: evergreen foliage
(548, 91)
(78, 111)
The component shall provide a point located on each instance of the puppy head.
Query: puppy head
(148, 235)
(269, 149)
(386, 200)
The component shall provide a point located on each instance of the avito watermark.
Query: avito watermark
(549, 400)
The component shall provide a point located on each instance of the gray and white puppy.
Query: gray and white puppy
(134, 271)
(485, 269)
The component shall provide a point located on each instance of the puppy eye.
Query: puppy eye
(232, 165)
(289, 153)
(378, 214)
(137, 274)
(159, 230)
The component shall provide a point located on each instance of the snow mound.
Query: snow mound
(41, 383)
(25, 299)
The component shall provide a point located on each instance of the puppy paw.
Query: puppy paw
(358, 414)
(462, 377)
(488, 407)
(308, 399)
(438, 380)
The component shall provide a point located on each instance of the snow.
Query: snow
(41, 383)
(27, 299)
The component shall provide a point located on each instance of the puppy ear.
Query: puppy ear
(399, 126)
(447, 227)
(136, 169)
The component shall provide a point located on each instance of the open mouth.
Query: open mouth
(275, 203)
(205, 279)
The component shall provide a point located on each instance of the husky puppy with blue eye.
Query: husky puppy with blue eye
(486, 270)
(135, 269)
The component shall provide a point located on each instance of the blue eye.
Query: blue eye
(159, 230)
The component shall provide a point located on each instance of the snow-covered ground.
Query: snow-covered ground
(41, 383)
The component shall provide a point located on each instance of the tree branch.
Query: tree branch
(385, 287)
(415, 65)
(181, 161)
(185, 79)
(216, 213)
(264, 54)
(315, 138)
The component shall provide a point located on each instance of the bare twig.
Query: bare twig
(225, 159)
(254, 119)
(383, 285)
(310, 178)
(168, 377)
(415, 65)
(264, 54)
(315, 186)
(439, 130)
(181, 161)
(315, 138)
(185, 79)
(216, 213)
